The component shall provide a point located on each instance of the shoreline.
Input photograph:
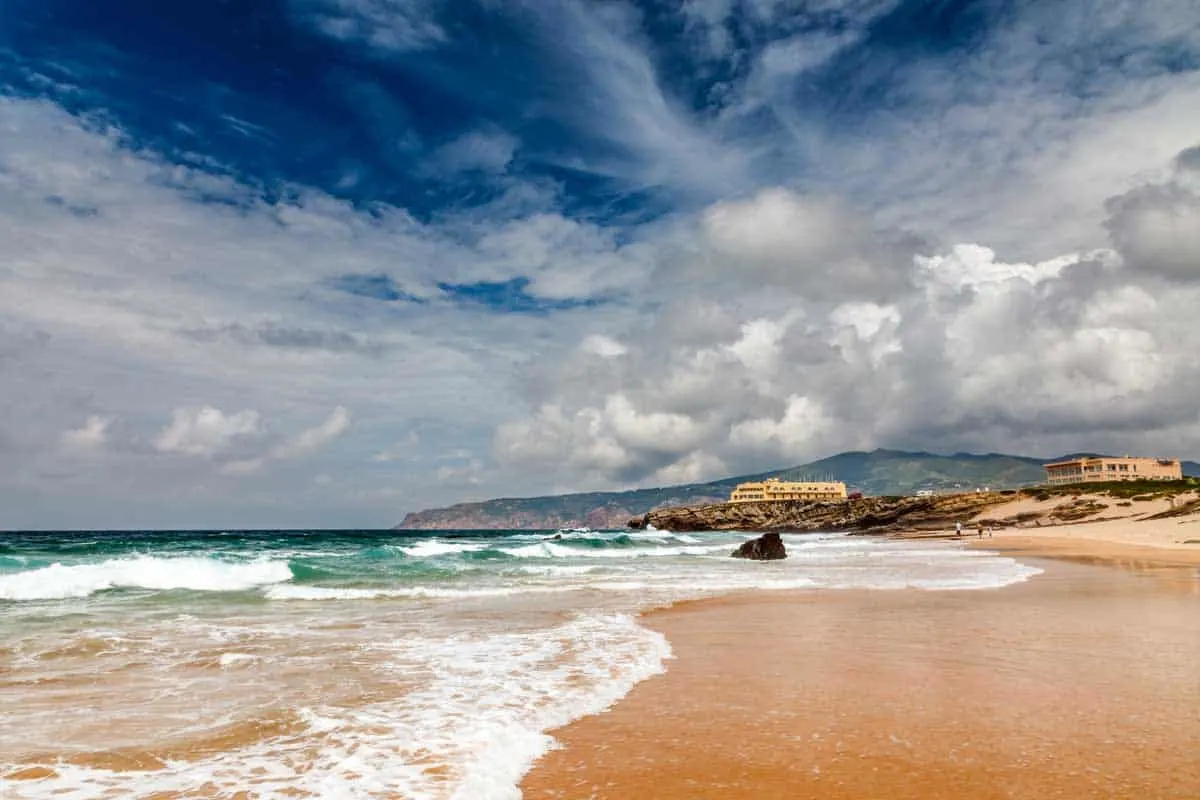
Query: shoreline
(911, 694)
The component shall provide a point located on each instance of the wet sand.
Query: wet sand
(1083, 682)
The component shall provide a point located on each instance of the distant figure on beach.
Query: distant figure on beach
(958, 529)
(979, 528)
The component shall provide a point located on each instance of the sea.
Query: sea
(362, 664)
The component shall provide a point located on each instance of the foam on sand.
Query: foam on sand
(470, 733)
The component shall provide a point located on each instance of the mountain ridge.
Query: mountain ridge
(875, 472)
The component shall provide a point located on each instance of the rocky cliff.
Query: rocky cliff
(867, 515)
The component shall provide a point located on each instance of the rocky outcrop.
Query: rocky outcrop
(768, 547)
(866, 515)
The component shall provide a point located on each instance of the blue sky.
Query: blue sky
(321, 262)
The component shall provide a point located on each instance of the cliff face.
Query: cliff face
(868, 515)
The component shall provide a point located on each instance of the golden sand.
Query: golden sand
(1081, 683)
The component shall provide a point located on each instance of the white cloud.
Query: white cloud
(1157, 230)
(92, 434)
(205, 431)
(313, 439)
(968, 352)
(652, 138)
(390, 26)
(484, 150)
(974, 266)
(467, 474)
(803, 426)
(304, 443)
(811, 244)
(603, 346)
(406, 448)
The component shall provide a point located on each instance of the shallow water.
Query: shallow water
(357, 663)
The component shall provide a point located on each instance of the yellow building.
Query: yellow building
(1106, 468)
(775, 489)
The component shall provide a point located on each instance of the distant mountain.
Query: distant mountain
(880, 472)
(1191, 469)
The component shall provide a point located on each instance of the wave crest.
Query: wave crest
(59, 581)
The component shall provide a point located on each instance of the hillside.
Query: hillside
(881, 472)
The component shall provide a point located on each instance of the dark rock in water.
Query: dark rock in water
(767, 547)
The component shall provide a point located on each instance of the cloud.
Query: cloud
(92, 434)
(482, 150)
(468, 473)
(642, 135)
(206, 431)
(313, 439)
(814, 245)
(964, 351)
(269, 334)
(389, 26)
(403, 449)
(603, 346)
(302, 444)
(1157, 227)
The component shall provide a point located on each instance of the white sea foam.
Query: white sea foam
(552, 550)
(141, 572)
(564, 571)
(290, 591)
(228, 660)
(469, 734)
(430, 548)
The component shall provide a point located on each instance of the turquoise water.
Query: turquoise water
(360, 664)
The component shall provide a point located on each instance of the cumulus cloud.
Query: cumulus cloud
(968, 351)
(603, 346)
(814, 245)
(205, 431)
(92, 434)
(1157, 228)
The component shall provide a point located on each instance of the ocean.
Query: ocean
(361, 664)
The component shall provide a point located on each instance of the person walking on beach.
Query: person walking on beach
(979, 528)
(958, 529)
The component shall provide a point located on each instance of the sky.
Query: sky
(318, 263)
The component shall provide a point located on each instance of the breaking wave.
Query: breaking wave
(58, 581)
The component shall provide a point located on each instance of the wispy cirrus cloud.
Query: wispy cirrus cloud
(389, 26)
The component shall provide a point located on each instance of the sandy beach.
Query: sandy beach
(1083, 682)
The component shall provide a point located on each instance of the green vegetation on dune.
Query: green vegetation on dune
(1125, 490)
